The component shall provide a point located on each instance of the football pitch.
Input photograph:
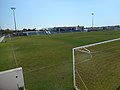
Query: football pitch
(47, 60)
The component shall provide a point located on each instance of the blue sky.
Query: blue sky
(50, 13)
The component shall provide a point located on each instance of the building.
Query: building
(66, 29)
(55, 30)
(104, 28)
(30, 33)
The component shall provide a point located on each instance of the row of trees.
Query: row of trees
(34, 29)
(8, 31)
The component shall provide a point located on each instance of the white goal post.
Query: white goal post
(83, 49)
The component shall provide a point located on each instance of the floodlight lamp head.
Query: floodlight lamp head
(13, 8)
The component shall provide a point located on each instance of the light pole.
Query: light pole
(13, 8)
(0, 31)
(92, 20)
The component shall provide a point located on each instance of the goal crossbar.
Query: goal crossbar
(85, 46)
(97, 43)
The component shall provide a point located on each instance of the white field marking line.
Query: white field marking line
(47, 66)
(14, 56)
(2, 38)
(82, 80)
(96, 43)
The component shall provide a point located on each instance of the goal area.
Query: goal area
(97, 66)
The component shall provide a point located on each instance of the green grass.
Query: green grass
(102, 71)
(53, 52)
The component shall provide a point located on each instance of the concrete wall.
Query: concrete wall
(2, 38)
(11, 79)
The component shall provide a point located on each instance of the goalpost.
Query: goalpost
(84, 61)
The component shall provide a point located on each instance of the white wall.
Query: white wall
(2, 38)
(11, 79)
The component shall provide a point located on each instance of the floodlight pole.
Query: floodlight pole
(13, 8)
(0, 31)
(92, 20)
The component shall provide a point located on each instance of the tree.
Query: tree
(34, 29)
(7, 31)
(24, 29)
(29, 30)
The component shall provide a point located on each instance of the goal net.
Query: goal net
(97, 66)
